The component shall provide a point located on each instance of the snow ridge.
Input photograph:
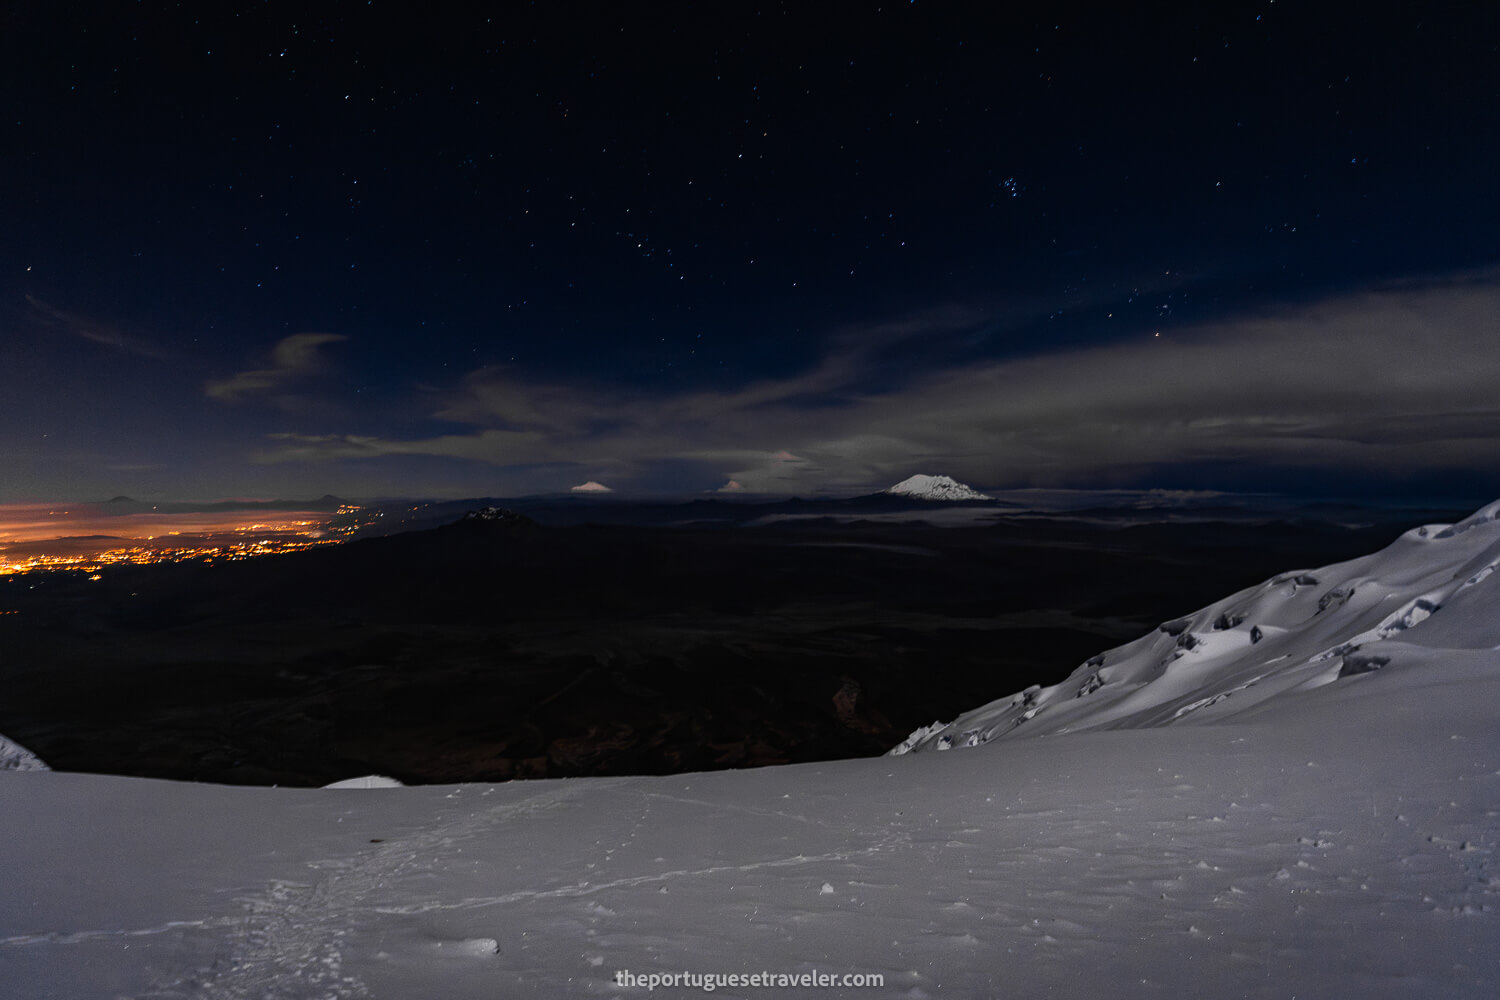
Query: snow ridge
(1429, 595)
(935, 488)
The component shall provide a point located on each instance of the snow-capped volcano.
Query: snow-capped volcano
(1430, 595)
(496, 515)
(935, 488)
(490, 523)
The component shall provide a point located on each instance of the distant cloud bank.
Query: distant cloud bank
(1396, 380)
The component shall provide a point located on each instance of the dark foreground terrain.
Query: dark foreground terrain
(494, 650)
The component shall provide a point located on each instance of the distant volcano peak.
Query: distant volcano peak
(935, 488)
(497, 515)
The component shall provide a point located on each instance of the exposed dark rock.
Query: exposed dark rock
(1362, 663)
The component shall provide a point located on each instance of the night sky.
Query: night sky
(287, 249)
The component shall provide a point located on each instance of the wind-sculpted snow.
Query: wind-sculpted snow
(14, 757)
(1431, 590)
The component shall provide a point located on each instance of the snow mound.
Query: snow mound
(14, 757)
(468, 947)
(367, 781)
(935, 488)
(1431, 591)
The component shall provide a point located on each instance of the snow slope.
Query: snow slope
(1335, 840)
(1426, 597)
(935, 488)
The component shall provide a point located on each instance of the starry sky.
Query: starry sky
(377, 249)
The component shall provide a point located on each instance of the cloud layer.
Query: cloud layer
(1397, 381)
(292, 358)
(93, 330)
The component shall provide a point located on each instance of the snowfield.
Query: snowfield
(1312, 813)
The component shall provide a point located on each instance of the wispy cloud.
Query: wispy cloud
(292, 358)
(1398, 380)
(93, 330)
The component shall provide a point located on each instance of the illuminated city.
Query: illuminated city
(230, 542)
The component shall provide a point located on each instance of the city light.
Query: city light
(245, 541)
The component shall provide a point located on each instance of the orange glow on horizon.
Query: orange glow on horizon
(89, 538)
